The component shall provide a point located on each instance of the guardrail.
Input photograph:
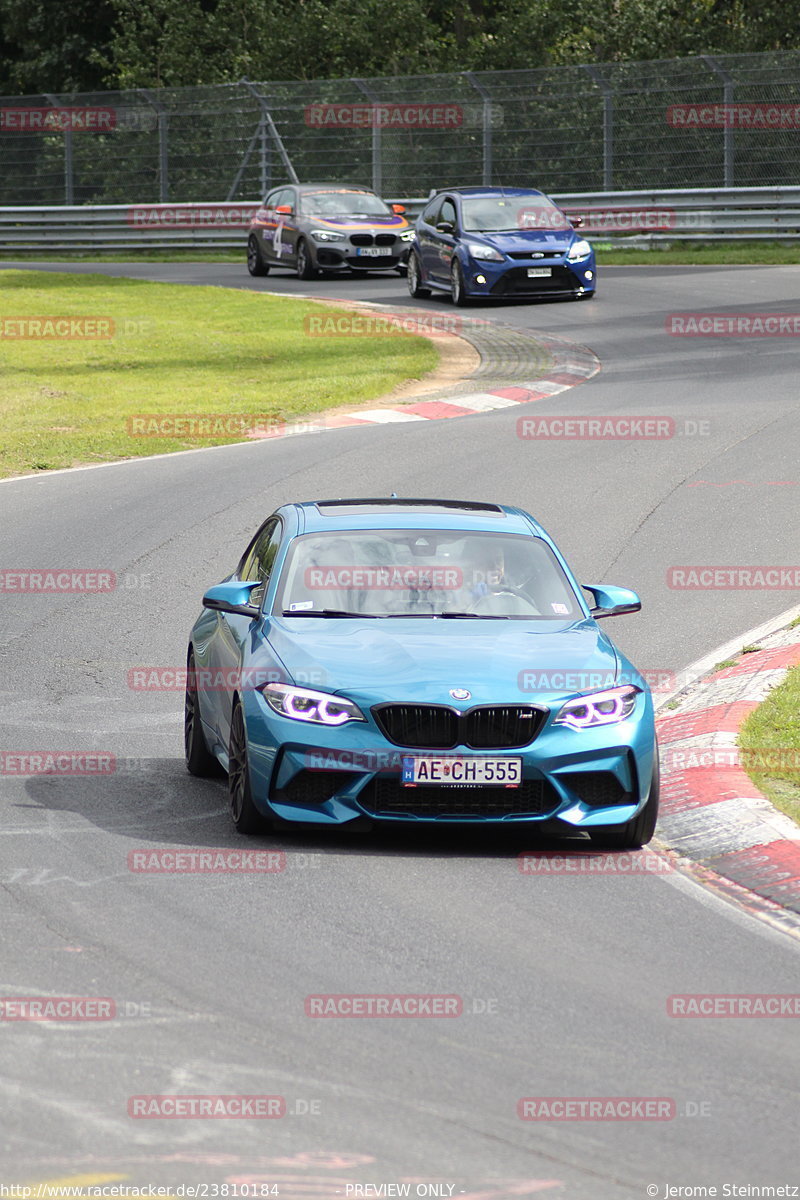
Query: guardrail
(620, 218)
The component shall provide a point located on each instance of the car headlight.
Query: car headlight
(599, 708)
(326, 235)
(301, 704)
(579, 250)
(407, 235)
(486, 253)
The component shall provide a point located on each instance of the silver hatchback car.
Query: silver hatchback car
(316, 227)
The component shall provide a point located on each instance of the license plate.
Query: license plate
(539, 272)
(374, 251)
(461, 771)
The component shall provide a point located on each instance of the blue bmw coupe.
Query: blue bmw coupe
(397, 660)
(494, 243)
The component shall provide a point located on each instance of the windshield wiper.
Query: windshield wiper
(451, 615)
(326, 612)
(460, 616)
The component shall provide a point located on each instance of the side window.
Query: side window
(289, 197)
(429, 214)
(448, 213)
(274, 198)
(257, 565)
(258, 562)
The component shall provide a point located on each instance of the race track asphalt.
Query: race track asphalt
(564, 980)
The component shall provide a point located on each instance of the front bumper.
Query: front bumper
(342, 256)
(511, 279)
(308, 774)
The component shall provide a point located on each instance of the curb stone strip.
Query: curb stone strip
(711, 811)
(505, 368)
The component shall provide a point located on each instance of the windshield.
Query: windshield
(342, 203)
(425, 572)
(491, 214)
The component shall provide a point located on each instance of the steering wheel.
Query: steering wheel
(504, 589)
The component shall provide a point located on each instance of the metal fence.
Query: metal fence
(724, 121)
(617, 217)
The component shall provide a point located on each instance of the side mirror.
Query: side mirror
(446, 227)
(612, 601)
(285, 209)
(232, 597)
(575, 220)
(399, 209)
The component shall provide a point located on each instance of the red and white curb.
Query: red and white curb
(711, 811)
(570, 365)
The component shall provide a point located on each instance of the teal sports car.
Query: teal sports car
(402, 661)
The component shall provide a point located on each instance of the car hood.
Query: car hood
(392, 224)
(421, 659)
(528, 241)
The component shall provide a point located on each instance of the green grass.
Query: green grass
(175, 350)
(666, 254)
(770, 741)
(700, 254)
(131, 256)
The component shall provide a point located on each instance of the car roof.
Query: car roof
(473, 192)
(393, 512)
(334, 187)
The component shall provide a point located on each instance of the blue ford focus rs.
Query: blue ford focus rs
(418, 661)
(493, 243)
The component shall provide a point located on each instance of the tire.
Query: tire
(636, 832)
(246, 817)
(305, 266)
(414, 274)
(457, 285)
(255, 263)
(199, 759)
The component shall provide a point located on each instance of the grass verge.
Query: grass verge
(697, 254)
(665, 254)
(174, 350)
(770, 738)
